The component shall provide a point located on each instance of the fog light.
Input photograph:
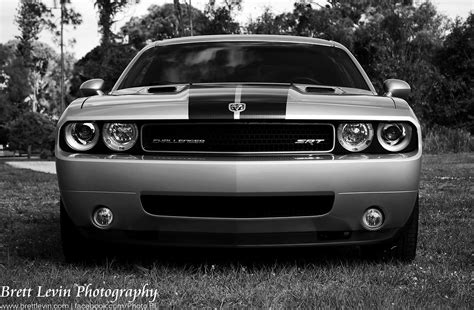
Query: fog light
(102, 217)
(372, 219)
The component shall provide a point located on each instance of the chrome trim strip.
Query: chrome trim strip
(243, 153)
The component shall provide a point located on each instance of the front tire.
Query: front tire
(403, 247)
(76, 248)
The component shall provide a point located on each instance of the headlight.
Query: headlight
(120, 136)
(394, 137)
(355, 137)
(81, 136)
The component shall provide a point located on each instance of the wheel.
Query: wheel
(76, 248)
(403, 247)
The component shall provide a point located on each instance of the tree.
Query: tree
(107, 11)
(323, 22)
(30, 20)
(161, 23)
(455, 57)
(220, 20)
(69, 18)
(44, 83)
(105, 62)
(16, 90)
(179, 15)
(454, 90)
(31, 131)
(399, 42)
(269, 23)
(32, 16)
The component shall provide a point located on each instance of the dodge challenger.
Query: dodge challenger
(240, 141)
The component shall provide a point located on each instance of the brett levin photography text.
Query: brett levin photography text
(80, 291)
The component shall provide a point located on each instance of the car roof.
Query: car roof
(245, 38)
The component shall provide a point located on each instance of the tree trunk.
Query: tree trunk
(179, 15)
(29, 151)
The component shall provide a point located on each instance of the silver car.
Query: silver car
(241, 141)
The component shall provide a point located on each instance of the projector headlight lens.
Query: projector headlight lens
(120, 136)
(355, 137)
(394, 137)
(81, 136)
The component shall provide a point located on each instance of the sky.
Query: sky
(87, 36)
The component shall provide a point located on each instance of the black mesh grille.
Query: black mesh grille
(238, 137)
(238, 206)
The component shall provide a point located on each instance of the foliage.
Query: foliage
(161, 23)
(43, 87)
(32, 16)
(34, 60)
(31, 131)
(179, 15)
(3, 135)
(30, 20)
(104, 62)
(399, 43)
(219, 18)
(439, 139)
(69, 18)
(107, 11)
(454, 91)
(12, 97)
(268, 23)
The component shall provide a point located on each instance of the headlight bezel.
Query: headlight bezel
(77, 144)
(399, 144)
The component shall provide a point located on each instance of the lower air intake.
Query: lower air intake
(237, 206)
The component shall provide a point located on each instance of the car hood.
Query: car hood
(220, 102)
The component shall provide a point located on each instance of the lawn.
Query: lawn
(440, 277)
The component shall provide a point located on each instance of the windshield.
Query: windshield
(244, 62)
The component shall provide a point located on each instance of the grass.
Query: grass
(440, 139)
(440, 277)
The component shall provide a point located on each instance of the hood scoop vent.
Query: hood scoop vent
(320, 90)
(317, 89)
(162, 89)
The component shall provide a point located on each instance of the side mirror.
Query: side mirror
(92, 87)
(396, 88)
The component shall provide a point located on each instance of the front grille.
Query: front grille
(237, 138)
(237, 206)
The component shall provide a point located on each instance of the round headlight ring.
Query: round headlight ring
(394, 137)
(81, 136)
(355, 137)
(120, 136)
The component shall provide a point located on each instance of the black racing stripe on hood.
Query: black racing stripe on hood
(207, 102)
(261, 102)
(264, 103)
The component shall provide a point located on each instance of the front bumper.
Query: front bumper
(389, 182)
